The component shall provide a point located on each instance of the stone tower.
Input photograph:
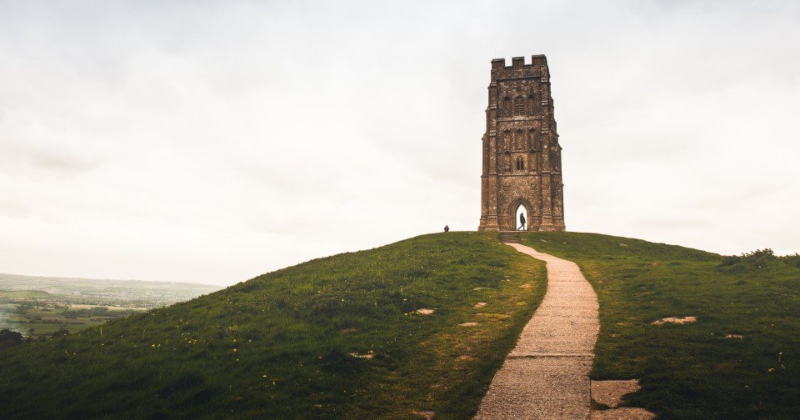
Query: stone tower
(521, 154)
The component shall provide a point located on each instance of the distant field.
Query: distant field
(23, 294)
(42, 306)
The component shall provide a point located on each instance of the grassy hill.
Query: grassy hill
(345, 336)
(739, 360)
(338, 337)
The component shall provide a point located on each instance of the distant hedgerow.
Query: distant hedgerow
(756, 260)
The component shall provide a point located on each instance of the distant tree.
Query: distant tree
(60, 332)
(98, 311)
(9, 338)
(23, 308)
(793, 260)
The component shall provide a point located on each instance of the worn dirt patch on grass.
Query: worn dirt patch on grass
(468, 324)
(427, 415)
(425, 311)
(610, 393)
(625, 413)
(480, 304)
(674, 320)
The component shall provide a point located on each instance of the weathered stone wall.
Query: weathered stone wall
(521, 154)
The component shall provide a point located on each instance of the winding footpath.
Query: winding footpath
(546, 376)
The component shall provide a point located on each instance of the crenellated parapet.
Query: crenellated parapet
(518, 69)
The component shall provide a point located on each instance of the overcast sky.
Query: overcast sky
(212, 141)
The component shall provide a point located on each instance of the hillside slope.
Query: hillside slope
(739, 360)
(338, 337)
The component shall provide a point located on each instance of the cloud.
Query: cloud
(38, 162)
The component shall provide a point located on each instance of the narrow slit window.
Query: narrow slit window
(519, 105)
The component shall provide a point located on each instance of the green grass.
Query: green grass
(290, 344)
(692, 371)
(295, 344)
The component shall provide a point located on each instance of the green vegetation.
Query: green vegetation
(135, 293)
(757, 261)
(40, 307)
(739, 360)
(9, 338)
(38, 318)
(342, 338)
(338, 337)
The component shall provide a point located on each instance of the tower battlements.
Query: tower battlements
(517, 62)
(518, 68)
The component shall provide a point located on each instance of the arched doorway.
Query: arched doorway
(521, 210)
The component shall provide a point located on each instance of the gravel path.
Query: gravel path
(546, 376)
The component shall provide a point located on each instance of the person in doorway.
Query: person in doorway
(446, 228)
(521, 221)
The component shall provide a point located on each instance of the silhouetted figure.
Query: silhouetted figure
(521, 221)
(446, 228)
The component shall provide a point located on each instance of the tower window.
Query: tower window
(519, 105)
(520, 163)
